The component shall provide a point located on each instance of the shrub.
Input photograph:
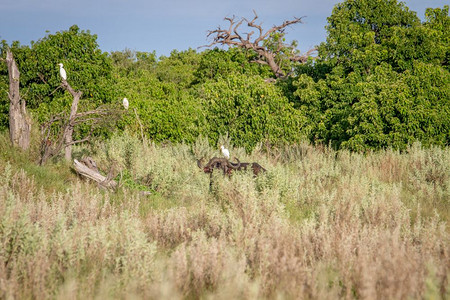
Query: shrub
(250, 111)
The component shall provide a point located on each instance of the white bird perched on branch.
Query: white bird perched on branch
(225, 152)
(62, 72)
(125, 103)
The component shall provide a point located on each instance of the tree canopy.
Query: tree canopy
(381, 79)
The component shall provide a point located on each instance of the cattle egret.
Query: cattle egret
(125, 103)
(225, 152)
(62, 72)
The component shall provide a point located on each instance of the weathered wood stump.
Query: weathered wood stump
(19, 120)
(88, 168)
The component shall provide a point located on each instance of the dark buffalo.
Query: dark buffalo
(219, 163)
(227, 167)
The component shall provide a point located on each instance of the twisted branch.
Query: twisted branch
(232, 37)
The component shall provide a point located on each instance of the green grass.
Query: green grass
(55, 177)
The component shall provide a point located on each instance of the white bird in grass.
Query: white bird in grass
(225, 152)
(62, 72)
(125, 103)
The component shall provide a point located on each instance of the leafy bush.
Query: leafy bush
(387, 82)
(216, 63)
(250, 111)
(163, 111)
(384, 109)
(89, 71)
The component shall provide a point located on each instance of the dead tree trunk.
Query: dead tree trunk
(68, 131)
(19, 120)
(53, 143)
(87, 168)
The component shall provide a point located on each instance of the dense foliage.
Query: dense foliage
(381, 80)
(250, 111)
(317, 224)
(89, 70)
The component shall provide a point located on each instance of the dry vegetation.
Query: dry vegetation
(319, 224)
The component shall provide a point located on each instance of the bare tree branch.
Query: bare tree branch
(64, 125)
(41, 77)
(268, 56)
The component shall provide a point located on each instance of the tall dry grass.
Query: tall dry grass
(319, 224)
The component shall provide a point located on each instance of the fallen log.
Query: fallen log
(93, 174)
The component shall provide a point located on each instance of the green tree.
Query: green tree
(250, 110)
(363, 33)
(165, 111)
(386, 82)
(438, 22)
(89, 71)
(128, 61)
(178, 68)
(218, 63)
(88, 68)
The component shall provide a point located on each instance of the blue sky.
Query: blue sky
(165, 25)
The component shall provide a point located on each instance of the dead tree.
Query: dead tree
(19, 120)
(88, 168)
(53, 143)
(68, 130)
(267, 54)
